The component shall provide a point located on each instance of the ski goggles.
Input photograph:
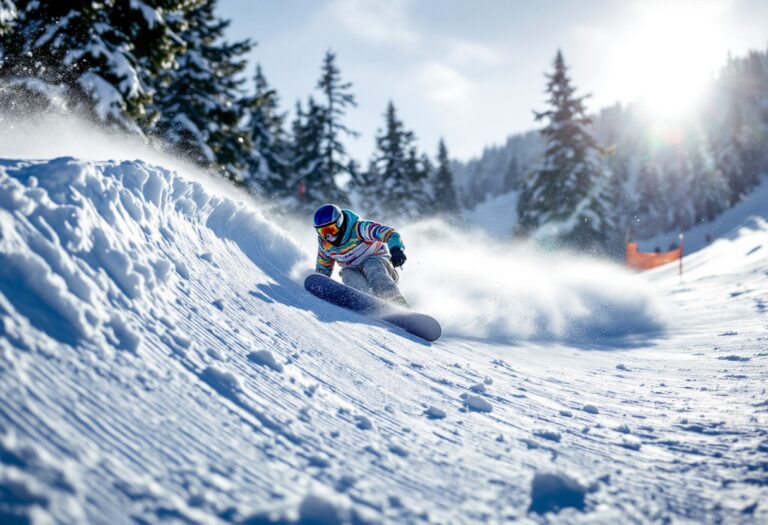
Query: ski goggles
(329, 230)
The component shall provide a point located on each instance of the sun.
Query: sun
(668, 56)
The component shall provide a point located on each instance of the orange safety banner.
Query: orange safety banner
(646, 261)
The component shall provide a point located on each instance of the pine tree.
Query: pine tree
(620, 208)
(94, 57)
(709, 188)
(338, 98)
(401, 186)
(678, 183)
(731, 138)
(422, 202)
(313, 183)
(446, 201)
(7, 17)
(366, 192)
(511, 177)
(270, 164)
(650, 201)
(568, 192)
(200, 102)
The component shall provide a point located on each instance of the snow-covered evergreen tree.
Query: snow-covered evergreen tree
(619, 206)
(312, 182)
(650, 202)
(337, 98)
(709, 188)
(568, 192)
(401, 186)
(7, 17)
(93, 57)
(200, 103)
(511, 176)
(740, 132)
(270, 165)
(365, 191)
(446, 201)
(422, 174)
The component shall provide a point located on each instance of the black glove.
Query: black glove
(397, 257)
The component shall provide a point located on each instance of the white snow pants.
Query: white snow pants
(376, 276)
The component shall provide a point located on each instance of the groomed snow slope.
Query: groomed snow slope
(161, 363)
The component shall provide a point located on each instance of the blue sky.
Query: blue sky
(473, 71)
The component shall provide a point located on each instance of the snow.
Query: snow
(567, 298)
(752, 208)
(161, 362)
(497, 215)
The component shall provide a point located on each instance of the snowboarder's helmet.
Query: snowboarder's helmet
(328, 221)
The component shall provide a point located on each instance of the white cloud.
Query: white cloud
(443, 83)
(593, 34)
(467, 53)
(380, 21)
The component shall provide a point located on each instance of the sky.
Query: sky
(473, 72)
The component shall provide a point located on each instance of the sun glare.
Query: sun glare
(668, 56)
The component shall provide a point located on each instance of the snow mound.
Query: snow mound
(78, 237)
(552, 492)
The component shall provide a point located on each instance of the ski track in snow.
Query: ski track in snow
(160, 362)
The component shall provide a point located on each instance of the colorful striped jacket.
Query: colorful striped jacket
(362, 239)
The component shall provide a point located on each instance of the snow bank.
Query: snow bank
(75, 235)
(54, 135)
(480, 287)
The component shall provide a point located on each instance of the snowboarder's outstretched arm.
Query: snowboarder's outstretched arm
(372, 231)
(324, 263)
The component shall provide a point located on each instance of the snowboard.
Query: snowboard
(325, 288)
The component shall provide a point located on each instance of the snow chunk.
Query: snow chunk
(363, 423)
(477, 404)
(590, 409)
(435, 413)
(478, 388)
(265, 358)
(624, 429)
(224, 383)
(126, 337)
(552, 492)
(324, 507)
(734, 357)
(551, 435)
(631, 443)
(181, 269)
(399, 450)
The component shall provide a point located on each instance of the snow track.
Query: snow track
(160, 362)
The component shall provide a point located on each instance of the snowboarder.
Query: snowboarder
(367, 252)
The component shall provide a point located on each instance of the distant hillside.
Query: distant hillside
(663, 178)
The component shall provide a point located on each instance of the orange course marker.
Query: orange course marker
(646, 261)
